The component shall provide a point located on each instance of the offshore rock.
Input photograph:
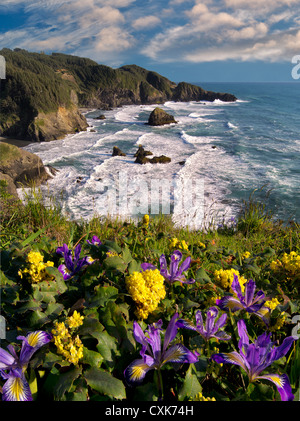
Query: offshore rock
(159, 117)
(141, 151)
(117, 152)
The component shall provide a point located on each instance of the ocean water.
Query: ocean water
(229, 150)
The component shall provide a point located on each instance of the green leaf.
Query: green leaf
(92, 358)
(54, 310)
(108, 348)
(37, 319)
(191, 385)
(202, 276)
(253, 267)
(60, 283)
(134, 266)
(126, 255)
(65, 381)
(103, 295)
(32, 381)
(112, 245)
(115, 263)
(104, 383)
(32, 237)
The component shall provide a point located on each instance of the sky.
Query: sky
(184, 40)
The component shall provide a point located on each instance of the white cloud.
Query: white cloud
(113, 39)
(186, 30)
(145, 22)
(106, 15)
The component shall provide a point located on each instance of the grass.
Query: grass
(99, 292)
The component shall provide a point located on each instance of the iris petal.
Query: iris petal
(136, 371)
(180, 354)
(16, 388)
(282, 383)
(229, 303)
(6, 359)
(231, 358)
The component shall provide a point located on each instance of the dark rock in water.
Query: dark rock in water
(100, 117)
(141, 151)
(159, 117)
(92, 130)
(214, 147)
(181, 162)
(117, 152)
(162, 159)
(141, 159)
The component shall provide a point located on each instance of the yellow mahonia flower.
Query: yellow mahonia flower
(146, 220)
(200, 397)
(272, 304)
(111, 253)
(290, 263)
(146, 289)
(202, 245)
(75, 320)
(225, 277)
(246, 255)
(70, 347)
(178, 244)
(35, 270)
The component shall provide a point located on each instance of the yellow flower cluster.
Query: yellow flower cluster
(146, 289)
(272, 304)
(67, 345)
(36, 267)
(289, 263)
(178, 244)
(111, 253)
(225, 277)
(200, 397)
(146, 220)
(279, 322)
(246, 255)
(202, 245)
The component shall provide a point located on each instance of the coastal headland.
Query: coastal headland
(43, 95)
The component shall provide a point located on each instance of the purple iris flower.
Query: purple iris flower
(175, 273)
(95, 241)
(257, 356)
(249, 302)
(13, 367)
(211, 327)
(72, 266)
(154, 354)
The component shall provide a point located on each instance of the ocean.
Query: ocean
(221, 154)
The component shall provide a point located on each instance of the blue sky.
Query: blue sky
(190, 40)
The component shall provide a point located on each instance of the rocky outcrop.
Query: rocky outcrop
(45, 127)
(21, 168)
(187, 92)
(56, 125)
(43, 108)
(141, 152)
(159, 117)
(141, 157)
(117, 152)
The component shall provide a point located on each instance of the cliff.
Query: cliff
(41, 94)
(20, 168)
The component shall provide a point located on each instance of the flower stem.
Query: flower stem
(160, 385)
